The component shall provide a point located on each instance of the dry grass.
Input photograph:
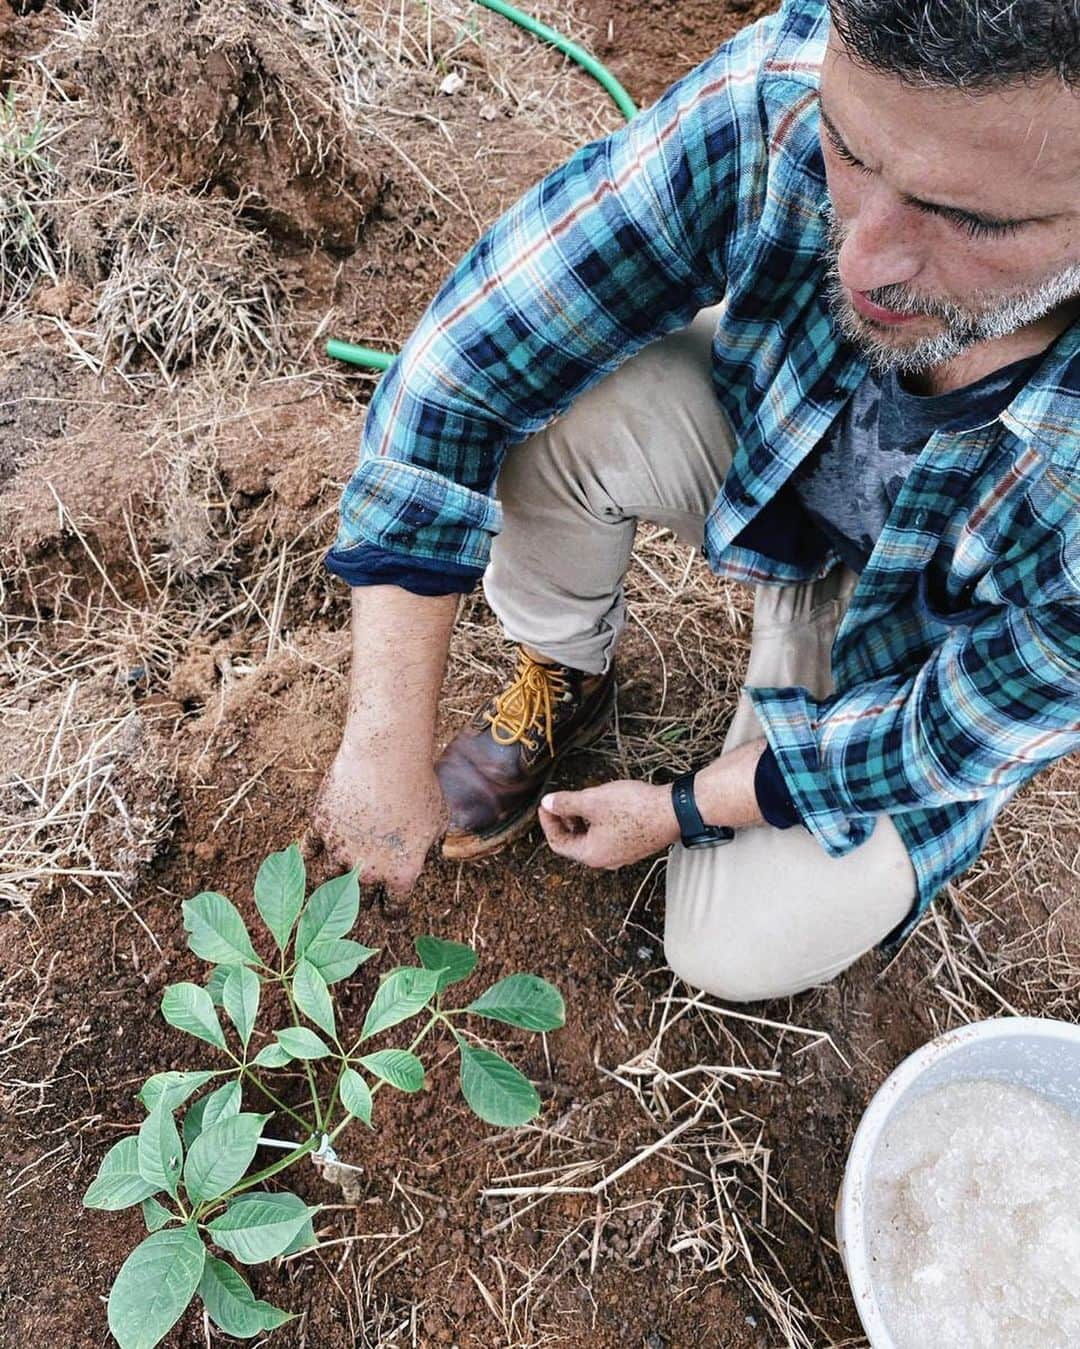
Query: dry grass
(85, 799)
(85, 796)
(717, 1218)
(390, 70)
(28, 182)
(190, 288)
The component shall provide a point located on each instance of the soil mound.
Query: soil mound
(32, 404)
(231, 98)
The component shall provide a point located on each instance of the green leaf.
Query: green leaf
(522, 1000)
(216, 931)
(494, 1089)
(286, 1201)
(216, 983)
(302, 1043)
(338, 958)
(240, 996)
(331, 912)
(673, 734)
(279, 892)
(356, 1095)
(177, 1086)
(272, 1056)
(221, 1154)
(259, 1226)
(231, 1304)
(313, 997)
(156, 1282)
(160, 1154)
(303, 1240)
(400, 1067)
(400, 995)
(119, 1182)
(219, 1104)
(188, 1007)
(456, 960)
(155, 1215)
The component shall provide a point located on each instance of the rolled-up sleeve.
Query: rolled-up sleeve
(621, 244)
(995, 703)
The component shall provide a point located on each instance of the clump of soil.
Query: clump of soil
(33, 404)
(225, 97)
(24, 29)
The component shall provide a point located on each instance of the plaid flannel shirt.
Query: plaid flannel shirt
(957, 665)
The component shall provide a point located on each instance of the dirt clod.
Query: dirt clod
(34, 404)
(226, 97)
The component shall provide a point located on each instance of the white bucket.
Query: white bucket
(1031, 1052)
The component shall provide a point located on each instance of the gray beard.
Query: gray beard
(997, 317)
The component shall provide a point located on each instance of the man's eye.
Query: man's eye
(843, 153)
(986, 229)
(974, 226)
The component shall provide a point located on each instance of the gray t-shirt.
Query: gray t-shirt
(849, 483)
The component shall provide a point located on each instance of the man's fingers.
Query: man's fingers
(564, 843)
(325, 856)
(399, 884)
(565, 804)
(566, 837)
(576, 847)
(561, 826)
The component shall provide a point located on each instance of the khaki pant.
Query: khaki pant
(770, 913)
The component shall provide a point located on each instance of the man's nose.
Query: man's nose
(881, 246)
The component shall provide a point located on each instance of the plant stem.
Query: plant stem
(304, 1124)
(302, 1150)
(435, 1017)
(307, 1065)
(334, 1094)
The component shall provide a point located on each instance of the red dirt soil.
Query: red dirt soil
(249, 735)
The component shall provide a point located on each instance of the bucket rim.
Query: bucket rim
(850, 1209)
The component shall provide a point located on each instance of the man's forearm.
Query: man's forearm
(724, 789)
(623, 822)
(399, 647)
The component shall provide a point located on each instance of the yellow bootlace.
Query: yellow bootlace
(527, 702)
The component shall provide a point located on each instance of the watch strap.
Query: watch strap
(693, 829)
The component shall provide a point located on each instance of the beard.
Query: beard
(989, 316)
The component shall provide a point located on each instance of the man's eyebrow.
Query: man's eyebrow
(934, 207)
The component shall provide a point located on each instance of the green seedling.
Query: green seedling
(27, 189)
(194, 1180)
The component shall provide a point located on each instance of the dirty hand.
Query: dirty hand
(610, 826)
(381, 816)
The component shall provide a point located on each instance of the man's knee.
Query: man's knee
(770, 915)
(736, 973)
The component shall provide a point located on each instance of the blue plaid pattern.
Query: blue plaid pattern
(957, 665)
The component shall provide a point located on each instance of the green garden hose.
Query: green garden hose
(380, 360)
(599, 72)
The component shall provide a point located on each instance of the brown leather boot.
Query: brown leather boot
(494, 772)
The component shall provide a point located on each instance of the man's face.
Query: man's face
(955, 219)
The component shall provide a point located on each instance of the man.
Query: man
(815, 310)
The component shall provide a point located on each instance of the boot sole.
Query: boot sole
(468, 847)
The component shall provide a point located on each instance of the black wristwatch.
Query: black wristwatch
(693, 829)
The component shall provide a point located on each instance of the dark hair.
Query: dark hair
(964, 44)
